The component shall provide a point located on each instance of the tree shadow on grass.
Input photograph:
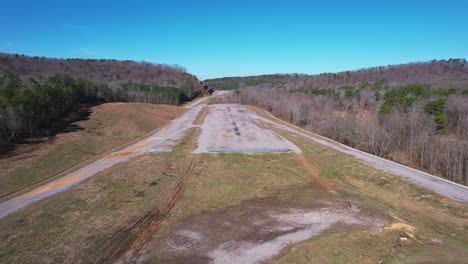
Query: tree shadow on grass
(65, 124)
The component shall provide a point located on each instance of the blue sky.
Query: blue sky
(238, 38)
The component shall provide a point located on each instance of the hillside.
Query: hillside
(36, 93)
(109, 72)
(415, 114)
(452, 73)
(105, 127)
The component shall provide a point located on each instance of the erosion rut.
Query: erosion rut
(313, 173)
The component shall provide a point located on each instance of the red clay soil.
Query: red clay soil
(313, 173)
(123, 154)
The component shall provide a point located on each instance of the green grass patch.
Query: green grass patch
(331, 173)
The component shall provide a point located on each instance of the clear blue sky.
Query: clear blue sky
(230, 38)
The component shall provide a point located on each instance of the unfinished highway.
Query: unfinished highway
(229, 128)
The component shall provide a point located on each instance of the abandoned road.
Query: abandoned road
(250, 138)
(229, 128)
(233, 128)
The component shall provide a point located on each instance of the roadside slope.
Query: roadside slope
(240, 207)
(109, 126)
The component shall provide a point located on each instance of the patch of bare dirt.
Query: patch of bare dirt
(252, 232)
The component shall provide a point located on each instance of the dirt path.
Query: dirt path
(160, 141)
(313, 173)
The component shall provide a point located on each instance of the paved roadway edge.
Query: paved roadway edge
(83, 163)
(365, 153)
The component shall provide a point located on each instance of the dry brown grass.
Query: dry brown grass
(234, 188)
(110, 127)
(105, 214)
(123, 118)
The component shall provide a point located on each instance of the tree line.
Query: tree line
(32, 104)
(445, 73)
(102, 71)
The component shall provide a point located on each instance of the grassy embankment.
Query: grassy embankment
(77, 225)
(109, 126)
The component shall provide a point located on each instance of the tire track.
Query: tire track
(313, 173)
(127, 242)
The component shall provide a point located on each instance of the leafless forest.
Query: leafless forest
(415, 114)
(451, 73)
(36, 92)
(99, 71)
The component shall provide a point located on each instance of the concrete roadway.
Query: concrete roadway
(233, 128)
